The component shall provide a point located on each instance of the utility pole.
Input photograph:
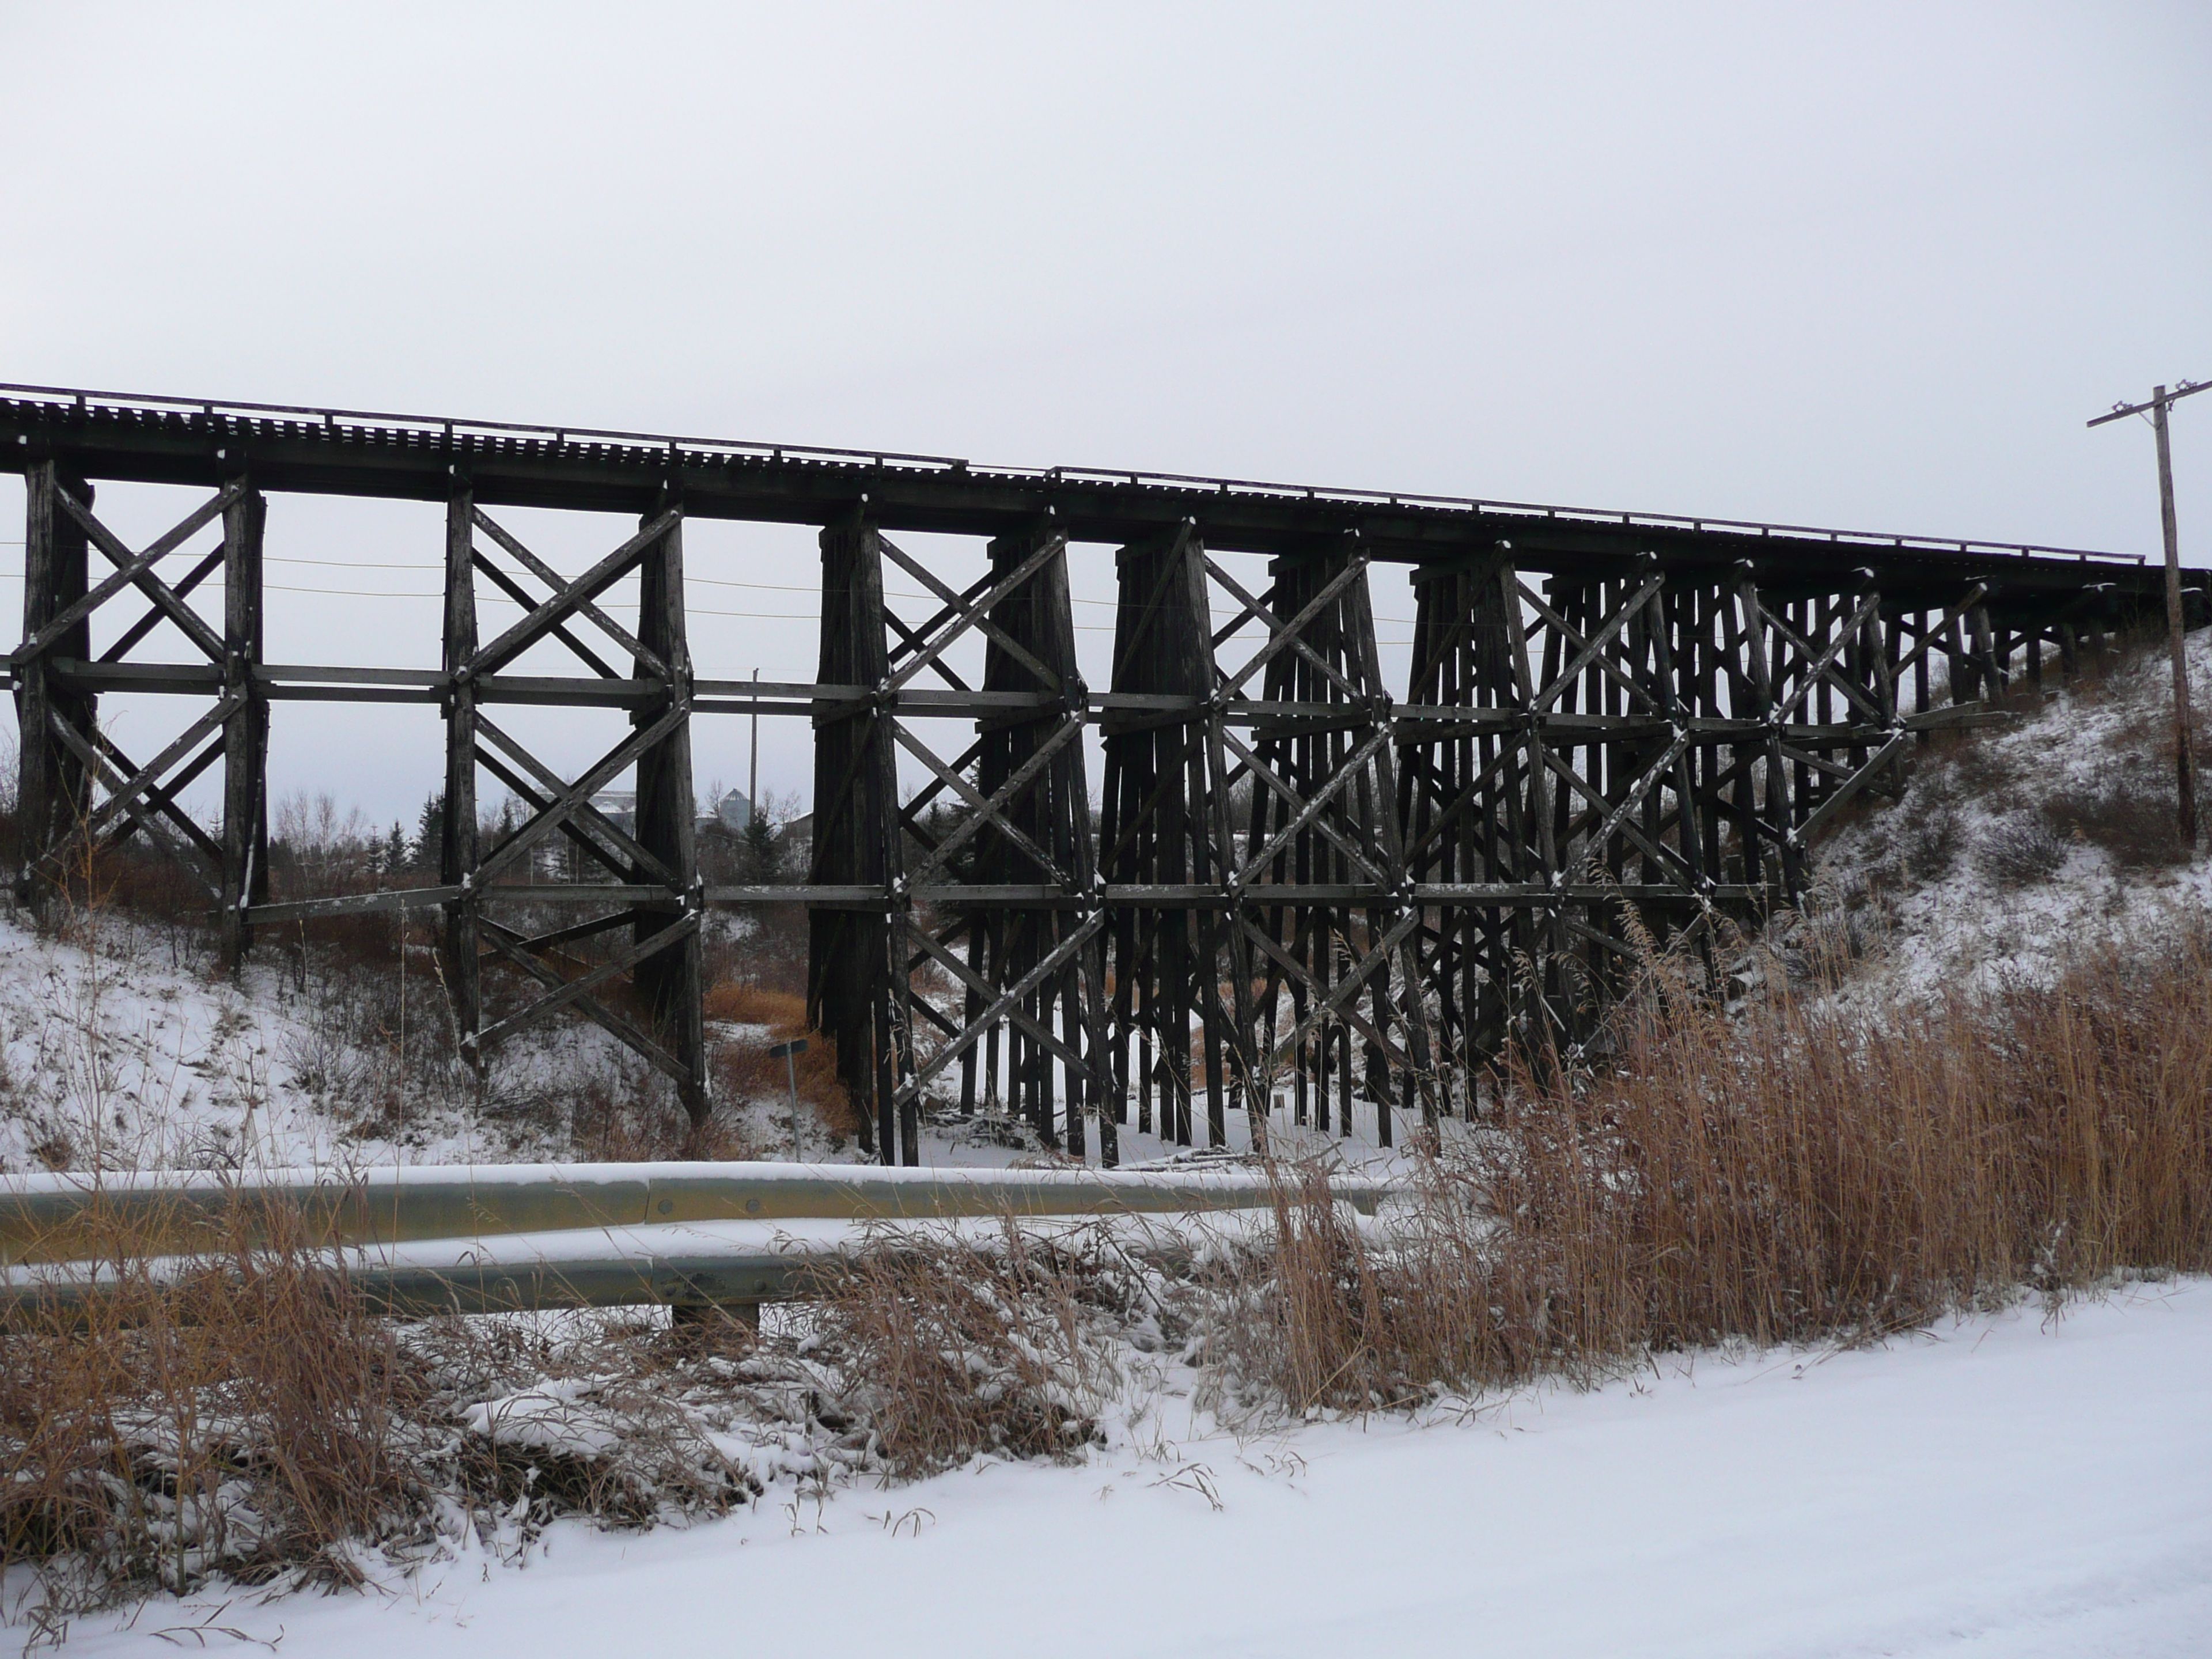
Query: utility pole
(752, 782)
(2185, 743)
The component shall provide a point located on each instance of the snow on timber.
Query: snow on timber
(2003, 1486)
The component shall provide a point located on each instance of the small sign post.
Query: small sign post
(789, 1053)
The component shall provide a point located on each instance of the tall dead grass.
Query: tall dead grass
(240, 1411)
(1804, 1171)
(243, 1412)
(957, 1348)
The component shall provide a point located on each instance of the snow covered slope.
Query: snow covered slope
(2011, 844)
(120, 1048)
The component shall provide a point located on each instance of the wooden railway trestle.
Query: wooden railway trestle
(1304, 890)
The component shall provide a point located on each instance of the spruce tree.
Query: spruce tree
(764, 849)
(430, 833)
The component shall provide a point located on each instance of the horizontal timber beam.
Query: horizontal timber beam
(160, 441)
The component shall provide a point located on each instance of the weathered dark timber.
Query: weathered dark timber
(457, 856)
(1301, 889)
(856, 843)
(246, 730)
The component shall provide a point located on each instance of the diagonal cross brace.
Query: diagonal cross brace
(936, 951)
(188, 620)
(647, 659)
(974, 798)
(573, 597)
(150, 820)
(1822, 665)
(1975, 595)
(134, 570)
(516, 950)
(121, 799)
(1605, 634)
(1008, 1001)
(578, 990)
(975, 613)
(521, 595)
(152, 618)
(162, 798)
(1333, 1005)
(1350, 768)
(992, 812)
(1291, 634)
(567, 801)
(1265, 773)
(591, 818)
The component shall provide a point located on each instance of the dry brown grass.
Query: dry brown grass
(242, 1412)
(245, 1412)
(1801, 1174)
(743, 1069)
(957, 1348)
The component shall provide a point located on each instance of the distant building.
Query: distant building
(734, 812)
(731, 812)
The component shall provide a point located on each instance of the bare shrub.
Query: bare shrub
(1324, 1317)
(242, 1410)
(743, 1069)
(623, 1111)
(2020, 852)
(1928, 843)
(955, 1349)
(602, 1424)
(2132, 822)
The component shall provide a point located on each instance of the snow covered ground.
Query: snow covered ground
(1985, 865)
(2000, 1486)
(117, 1052)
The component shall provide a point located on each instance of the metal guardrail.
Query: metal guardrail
(476, 1238)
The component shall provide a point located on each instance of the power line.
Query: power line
(690, 580)
(695, 610)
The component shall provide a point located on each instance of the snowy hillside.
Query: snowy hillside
(121, 1049)
(2012, 843)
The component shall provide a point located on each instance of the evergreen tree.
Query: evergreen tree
(762, 849)
(430, 833)
(394, 861)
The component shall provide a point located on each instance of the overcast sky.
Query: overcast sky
(1869, 266)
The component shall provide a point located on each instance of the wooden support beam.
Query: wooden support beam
(53, 785)
(457, 849)
(246, 730)
(670, 981)
(856, 842)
